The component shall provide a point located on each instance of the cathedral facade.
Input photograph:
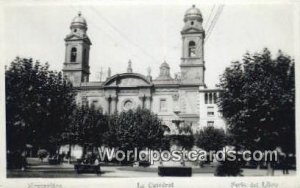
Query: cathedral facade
(184, 97)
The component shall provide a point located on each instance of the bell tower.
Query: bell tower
(192, 62)
(76, 66)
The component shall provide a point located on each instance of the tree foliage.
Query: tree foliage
(88, 126)
(258, 101)
(131, 129)
(211, 139)
(39, 104)
(229, 168)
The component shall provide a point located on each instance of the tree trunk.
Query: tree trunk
(70, 152)
(258, 166)
(270, 170)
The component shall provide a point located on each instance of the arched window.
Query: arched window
(192, 49)
(73, 54)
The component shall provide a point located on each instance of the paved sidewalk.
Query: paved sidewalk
(263, 172)
(66, 170)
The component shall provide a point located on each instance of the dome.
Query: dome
(164, 73)
(165, 64)
(79, 20)
(193, 13)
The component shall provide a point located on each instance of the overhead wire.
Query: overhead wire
(209, 17)
(209, 26)
(115, 43)
(214, 21)
(123, 35)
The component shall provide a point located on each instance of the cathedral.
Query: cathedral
(183, 96)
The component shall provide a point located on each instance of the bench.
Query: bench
(174, 171)
(87, 168)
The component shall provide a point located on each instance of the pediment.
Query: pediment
(72, 37)
(77, 37)
(191, 30)
(128, 80)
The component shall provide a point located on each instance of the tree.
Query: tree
(131, 129)
(211, 139)
(88, 126)
(42, 153)
(86, 129)
(258, 102)
(39, 105)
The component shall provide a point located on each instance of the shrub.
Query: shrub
(229, 168)
(42, 153)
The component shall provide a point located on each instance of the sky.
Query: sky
(148, 34)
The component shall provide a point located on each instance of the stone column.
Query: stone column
(148, 103)
(113, 105)
(107, 110)
(142, 101)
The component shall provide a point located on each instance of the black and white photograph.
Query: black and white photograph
(111, 90)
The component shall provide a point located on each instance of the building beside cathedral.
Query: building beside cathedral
(185, 96)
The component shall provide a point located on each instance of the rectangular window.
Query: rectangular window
(210, 111)
(163, 105)
(210, 123)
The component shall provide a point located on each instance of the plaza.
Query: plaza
(37, 169)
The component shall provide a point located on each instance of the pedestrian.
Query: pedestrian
(23, 161)
(285, 164)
